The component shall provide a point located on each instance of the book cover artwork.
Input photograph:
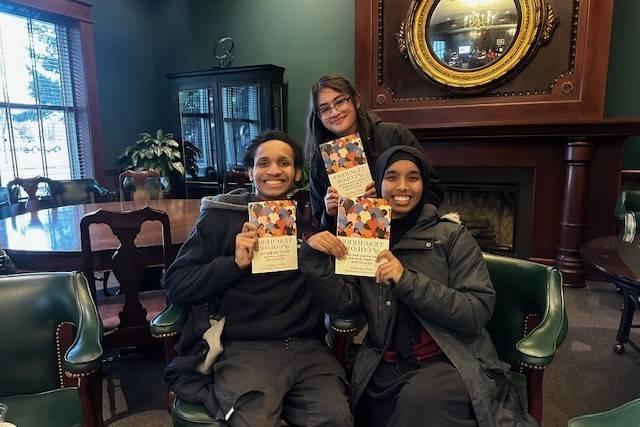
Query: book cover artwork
(346, 164)
(277, 237)
(364, 227)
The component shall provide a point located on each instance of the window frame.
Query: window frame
(76, 14)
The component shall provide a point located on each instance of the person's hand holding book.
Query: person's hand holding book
(370, 190)
(328, 244)
(331, 201)
(391, 269)
(332, 198)
(246, 245)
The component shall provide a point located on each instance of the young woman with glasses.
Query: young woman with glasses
(336, 110)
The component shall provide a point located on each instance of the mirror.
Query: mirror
(473, 45)
(470, 34)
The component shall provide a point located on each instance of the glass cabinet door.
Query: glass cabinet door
(241, 120)
(196, 117)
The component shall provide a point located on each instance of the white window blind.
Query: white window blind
(241, 118)
(44, 127)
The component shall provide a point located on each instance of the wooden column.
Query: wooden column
(573, 223)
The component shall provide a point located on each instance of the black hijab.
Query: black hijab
(391, 155)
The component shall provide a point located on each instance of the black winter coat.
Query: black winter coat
(267, 306)
(446, 286)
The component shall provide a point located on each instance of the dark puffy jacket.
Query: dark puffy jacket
(447, 287)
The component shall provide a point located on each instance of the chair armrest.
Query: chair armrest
(83, 357)
(539, 347)
(170, 321)
(102, 191)
(106, 195)
(347, 324)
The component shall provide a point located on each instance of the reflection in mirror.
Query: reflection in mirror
(471, 34)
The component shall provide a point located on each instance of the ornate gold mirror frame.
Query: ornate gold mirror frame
(535, 24)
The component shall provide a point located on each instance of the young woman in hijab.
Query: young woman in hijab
(336, 110)
(427, 359)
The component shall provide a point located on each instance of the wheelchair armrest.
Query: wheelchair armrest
(170, 321)
(539, 347)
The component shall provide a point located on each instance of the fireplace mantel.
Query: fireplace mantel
(577, 175)
(611, 127)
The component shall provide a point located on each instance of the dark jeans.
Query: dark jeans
(431, 395)
(299, 380)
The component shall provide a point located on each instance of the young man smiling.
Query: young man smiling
(274, 365)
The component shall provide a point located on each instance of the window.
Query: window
(196, 110)
(43, 120)
(241, 118)
(438, 48)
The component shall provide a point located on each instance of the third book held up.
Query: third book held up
(346, 164)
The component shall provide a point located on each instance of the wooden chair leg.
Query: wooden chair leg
(90, 389)
(170, 354)
(534, 394)
(105, 283)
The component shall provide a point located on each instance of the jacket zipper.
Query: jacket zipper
(380, 303)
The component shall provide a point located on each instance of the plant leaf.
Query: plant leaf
(178, 166)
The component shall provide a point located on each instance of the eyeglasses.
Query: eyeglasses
(339, 104)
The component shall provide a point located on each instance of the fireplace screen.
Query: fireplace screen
(487, 210)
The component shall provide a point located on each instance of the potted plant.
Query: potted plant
(162, 153)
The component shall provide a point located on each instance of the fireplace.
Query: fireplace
(494, 203)
(566, 178)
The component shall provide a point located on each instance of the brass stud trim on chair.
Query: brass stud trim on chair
(59, 354)
(165, 335)
(344, 330)
(525, 330)
(537, 368)
(83, 374)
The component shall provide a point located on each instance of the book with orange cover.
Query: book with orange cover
(364, 226)
(277, 237)
(346, 164)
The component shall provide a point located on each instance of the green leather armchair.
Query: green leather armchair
(528, 325)
(50, 334)
(627, 415)
(165, 325)
(529, 321)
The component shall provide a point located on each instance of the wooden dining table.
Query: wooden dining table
(49, 239)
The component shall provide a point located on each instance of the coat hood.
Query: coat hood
(235, 200)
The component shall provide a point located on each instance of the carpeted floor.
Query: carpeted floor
(134, 393)
(586, 375)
